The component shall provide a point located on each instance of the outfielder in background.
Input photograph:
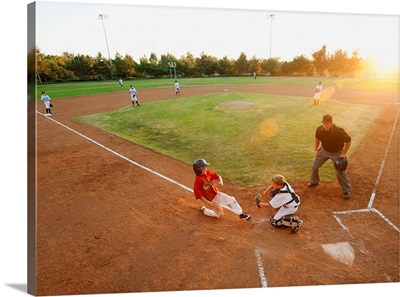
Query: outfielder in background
(46, 100)
(317, 94)
(284, 198)
(177, 88)
(335, 143)
(134, 98)
(205, 189)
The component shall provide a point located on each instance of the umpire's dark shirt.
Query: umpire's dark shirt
(333, 140)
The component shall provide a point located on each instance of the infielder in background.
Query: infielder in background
(284, 198)
(133, 92)
(46, 100)
(317, 95)
(205, 189)
(177, 89)
(335, 143)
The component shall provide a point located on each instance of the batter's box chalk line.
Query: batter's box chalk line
(373, 210)
(373, 195)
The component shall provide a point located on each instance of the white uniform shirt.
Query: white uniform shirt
(132, 91)
(282, 198)
(45, 98)
(318, 89)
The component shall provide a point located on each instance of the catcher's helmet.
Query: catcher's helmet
(198, 164)
(341, 163)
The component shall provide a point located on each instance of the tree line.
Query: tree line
(69, 67)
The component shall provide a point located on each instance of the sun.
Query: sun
(385, 63)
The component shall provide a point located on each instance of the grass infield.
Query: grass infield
(247, 138)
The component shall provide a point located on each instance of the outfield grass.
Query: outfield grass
(246, 137)
(76, 89)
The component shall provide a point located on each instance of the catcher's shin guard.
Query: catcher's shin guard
(288, 221)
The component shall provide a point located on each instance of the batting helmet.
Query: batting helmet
(198, 164)
(341, 163)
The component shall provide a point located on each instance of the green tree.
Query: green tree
(101, 66)
(242, 65)
(320, 60)
(287, 68)
(206, 64)
(164, 64)
(143, 69)
(271, 66)
(187, 65)
(302, 66)
(82, 67)
(255, 65)
(124, 66)
(338, 63)
(225, 66)
(355, 63)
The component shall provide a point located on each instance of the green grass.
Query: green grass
(272, 134)
(76, 89)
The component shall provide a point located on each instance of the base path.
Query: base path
(106, 225)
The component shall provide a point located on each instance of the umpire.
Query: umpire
(335, 143)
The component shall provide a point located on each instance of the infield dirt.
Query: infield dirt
(105, 225)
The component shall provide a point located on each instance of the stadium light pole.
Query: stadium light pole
(271, 17)
(102, 17)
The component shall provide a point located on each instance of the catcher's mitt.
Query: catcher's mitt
(341, 163)
(257, 199)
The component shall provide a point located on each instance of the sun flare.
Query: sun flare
(385, 63)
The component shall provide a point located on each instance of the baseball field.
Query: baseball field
(115, 211)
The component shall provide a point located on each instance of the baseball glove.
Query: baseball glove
(51, 105)
(257, 198)
(341, 163)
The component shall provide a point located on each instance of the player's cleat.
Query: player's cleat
(257, 199)
(202, 208)
(311, 185)
(244, 217)
(297, 228)
(346, 195)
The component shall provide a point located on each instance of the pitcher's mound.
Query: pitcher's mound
(237, 104)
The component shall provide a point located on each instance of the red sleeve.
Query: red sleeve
(197, 188)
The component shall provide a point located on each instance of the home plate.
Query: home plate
(342, 252)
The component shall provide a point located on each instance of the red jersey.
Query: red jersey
(199, 182)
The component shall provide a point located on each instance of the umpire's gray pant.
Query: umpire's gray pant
(320, 160)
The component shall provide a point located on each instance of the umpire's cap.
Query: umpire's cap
(327, 119)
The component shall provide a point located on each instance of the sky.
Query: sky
(13, 122)
(139, 30)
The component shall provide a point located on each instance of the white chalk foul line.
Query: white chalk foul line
(119, 155)
(264, 283)
(373, 194)
(259, 262)
(372, 198)
(125, 158)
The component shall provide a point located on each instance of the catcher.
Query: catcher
(284, 198)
